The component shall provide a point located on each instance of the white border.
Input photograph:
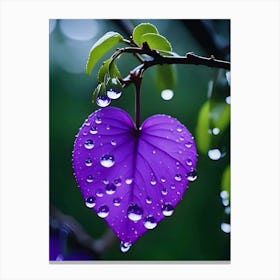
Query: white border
(24, 138)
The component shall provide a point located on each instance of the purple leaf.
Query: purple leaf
(133, 179)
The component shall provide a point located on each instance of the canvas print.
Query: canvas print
(139, 140)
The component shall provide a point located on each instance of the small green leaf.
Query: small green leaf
(142, 29)
(108, 67)
(104, 44)
(156, 41)
(166, 76)
(203, 138)
(225, 183)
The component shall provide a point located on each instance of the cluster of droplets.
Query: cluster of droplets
(112, 90)
(224, 195)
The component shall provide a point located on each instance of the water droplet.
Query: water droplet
(179, 128)
(153, 181)
(90, 202)
(116, 201)
(106, 181)
(113, 93)
(134, 212)
(225, 227)
(167, 94)
(225, 202)
(117, 182)
(128, 181)
(93, 130)
(227, 210)
(150, 222)
(99, 193)
(89, 179)
(167, 209)
(164, 191)
(228, 77)
(113, 142)
(148, 200)
(98, 120)
(103, 211)
(188, 144)
(103, 101)
(108, 127)
(227, 99)
(192, 175)
(224, 194)
(88, 162)
(172, 187)
(89, 144)
(178, 177)
(110, 189)
(107, 161)
(189, 162)
(163, 180)
(214, 154)
(215, 131)
(125, 246)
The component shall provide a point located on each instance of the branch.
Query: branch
(159, 59)
(98, 246)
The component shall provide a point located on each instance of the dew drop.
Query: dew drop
(106, 181)
(88, 144)
(90, 202)
(103, 101)
(189, 162)
(148, 200)
(214, 154)
(227, 210)
(167, 209)
(163, 180)
(153, 181)
(181, 138)
(110, 189)
(103, 211)
(108, 127)
(88, 162)
(167, 94)
(178, 177)
(188, 144)
(113, 93)
(93, 130)
(128, 181)
(107, 161)
(192, 175)
(153, 152)
(227, 99)
(99, 193)
(125, 246)
(150, 222)
(89, 179)
(164, 191)
(116, 201)
(113, 142)
(179, 128)
(215, 131)
(134, 212)
(98, 120)
(172, 187)
(225, 227)
(224, 194)
(117, 182)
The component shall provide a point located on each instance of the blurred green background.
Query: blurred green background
(194, 230)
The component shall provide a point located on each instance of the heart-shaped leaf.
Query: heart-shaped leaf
(133, 179)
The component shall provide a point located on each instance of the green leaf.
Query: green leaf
(142, 29)
(203, 138)
(96, 92)
(166, 76)
(104, 44)
(110, 68)
(225, 182)
(156, 41)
